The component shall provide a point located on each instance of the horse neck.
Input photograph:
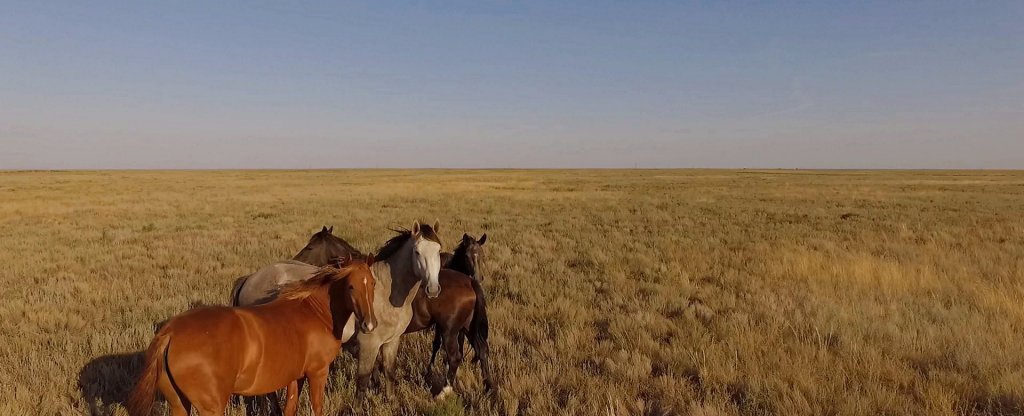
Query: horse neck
(319, 303)
(459, 262)
(397, 270)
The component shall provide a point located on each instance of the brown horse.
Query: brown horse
(460, 310)
(324, 248)
(204, 355)
(468, 257)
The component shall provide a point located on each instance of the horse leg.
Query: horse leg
(176, 400)
(454, 353)
(213, 408)
(291, 405)
(367, 360)
(482, 356)
(317, 385)
(184, 408)
(437, 346)
(462, 343)
(272, 403)
(251, 405)
(213, 403)
(429, 371)
(389, 353)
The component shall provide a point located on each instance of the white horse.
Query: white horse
(407, 260)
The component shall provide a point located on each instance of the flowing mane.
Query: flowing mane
(395, 243)
(325, 276)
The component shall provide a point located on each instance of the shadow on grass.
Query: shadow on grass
(108, 380)
(996, 404)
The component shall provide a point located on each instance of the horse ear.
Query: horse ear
(369, 259)
(466, 237)
(416, 228)
(437, 226)
(482, 240)
(323, 229)
(330, 230)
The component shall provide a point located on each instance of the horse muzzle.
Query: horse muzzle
(367, 327)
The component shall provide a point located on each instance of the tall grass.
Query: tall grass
(610, 292)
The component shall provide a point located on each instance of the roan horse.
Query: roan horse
(204, 355)
(323, 249)
(459, 311)
(406, 262)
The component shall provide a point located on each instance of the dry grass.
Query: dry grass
(622, 292)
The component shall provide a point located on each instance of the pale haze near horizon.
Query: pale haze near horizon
(493, 84)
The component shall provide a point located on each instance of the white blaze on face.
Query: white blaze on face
(428, 265)
(370, 324)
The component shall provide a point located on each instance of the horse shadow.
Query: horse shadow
(108, 380)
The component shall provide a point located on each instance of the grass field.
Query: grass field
(699, 292)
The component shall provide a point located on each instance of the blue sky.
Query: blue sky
(512, 84)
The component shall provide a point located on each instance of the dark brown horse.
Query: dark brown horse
(324, 248)
(468, 257)
(203, 356)
(460, 311)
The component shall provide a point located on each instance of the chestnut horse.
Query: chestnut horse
(204, 355)
(459, 311)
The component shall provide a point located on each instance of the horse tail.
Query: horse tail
(478, 326)
(140, 403)
(237, 290)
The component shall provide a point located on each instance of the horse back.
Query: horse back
(261, 287)
(204, 348)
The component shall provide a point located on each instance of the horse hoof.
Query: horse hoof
(444, 392)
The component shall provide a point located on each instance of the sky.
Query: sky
(732, 84)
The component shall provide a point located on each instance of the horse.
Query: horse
(468, 257)
(407, 261)
(406, 264)
(324, 247)
(202, 356)
(459, 311)
(262, 286)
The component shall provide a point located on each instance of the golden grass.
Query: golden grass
(610, 292)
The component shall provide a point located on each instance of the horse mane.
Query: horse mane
(460, 249)
(395, 243)
(324, 276)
